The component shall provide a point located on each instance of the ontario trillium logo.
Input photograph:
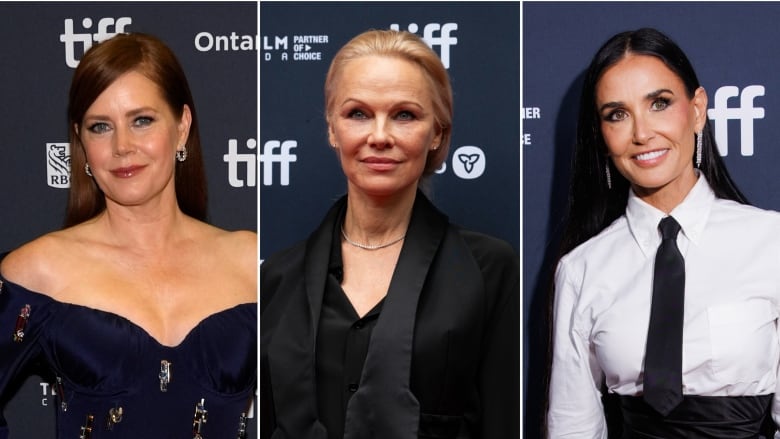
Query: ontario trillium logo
(468, 162)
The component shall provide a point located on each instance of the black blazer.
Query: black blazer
(443, 361)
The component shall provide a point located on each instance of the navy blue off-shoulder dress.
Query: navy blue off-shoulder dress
(114, 380)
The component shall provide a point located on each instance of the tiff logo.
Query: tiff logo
(275, 151)
(745, 113)
(233, 158)
(86, 39)
(444, 39)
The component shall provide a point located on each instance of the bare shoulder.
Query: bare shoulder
(240, 243)
(39, 264)
(242, 247)
(235, 252)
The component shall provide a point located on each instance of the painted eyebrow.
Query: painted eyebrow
(350, 101)
(649, 96)
(131, 113)
(659, 92)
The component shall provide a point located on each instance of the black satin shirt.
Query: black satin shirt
(342, 345)
(443, 360)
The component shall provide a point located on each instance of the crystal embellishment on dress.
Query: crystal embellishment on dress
(21, 323)
(199, 419)
(61, 393)
(165, 375)
(114, 417)
(242, 426)
(86, 430)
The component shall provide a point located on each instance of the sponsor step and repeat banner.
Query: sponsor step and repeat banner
(42, 43)
(732, 48)
(478, 42)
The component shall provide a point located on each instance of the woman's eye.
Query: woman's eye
(660, 104)
(143, 121)
(99, 127)
(356, 114)
(405, 115)
(615, 116)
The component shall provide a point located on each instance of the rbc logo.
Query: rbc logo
(275, 151)
(468, 162)
(233, 158)
(58, 165)
(444, 40)
(86, 39)
(745, 113)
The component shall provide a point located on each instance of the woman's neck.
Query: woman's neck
(144, 229)
(377, 220)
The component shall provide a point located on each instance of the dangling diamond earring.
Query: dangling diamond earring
(698, 149)
(609, 176)
(87, 170)
(181, 154)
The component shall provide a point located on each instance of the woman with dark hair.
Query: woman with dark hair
(131, 304)
(667, 293)
(389, 322)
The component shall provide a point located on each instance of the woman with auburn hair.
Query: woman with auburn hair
(389, 322)
(666, 298)
(131, 304)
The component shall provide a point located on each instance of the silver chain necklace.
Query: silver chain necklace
(367, 246)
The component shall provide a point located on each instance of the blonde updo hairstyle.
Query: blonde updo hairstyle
(406, 46)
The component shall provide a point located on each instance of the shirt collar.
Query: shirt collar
(692, 214)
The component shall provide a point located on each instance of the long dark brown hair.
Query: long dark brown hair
(98, 69)
(592, 206)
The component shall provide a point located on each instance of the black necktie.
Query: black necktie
(663, 355)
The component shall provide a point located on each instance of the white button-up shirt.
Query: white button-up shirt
(603, 291)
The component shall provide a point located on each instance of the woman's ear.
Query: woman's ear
(331, 135)
(184, 125)
(700, 107)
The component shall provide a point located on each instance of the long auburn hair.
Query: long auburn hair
(101, 65)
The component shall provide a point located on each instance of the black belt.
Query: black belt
(727, 417)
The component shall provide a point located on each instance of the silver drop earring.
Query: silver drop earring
(698, 149)
(609, 176)
(87, 170)
(181, 154)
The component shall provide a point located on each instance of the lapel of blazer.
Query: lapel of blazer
(384, 406)
(291, 354)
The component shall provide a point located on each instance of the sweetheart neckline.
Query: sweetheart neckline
(5, 282)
